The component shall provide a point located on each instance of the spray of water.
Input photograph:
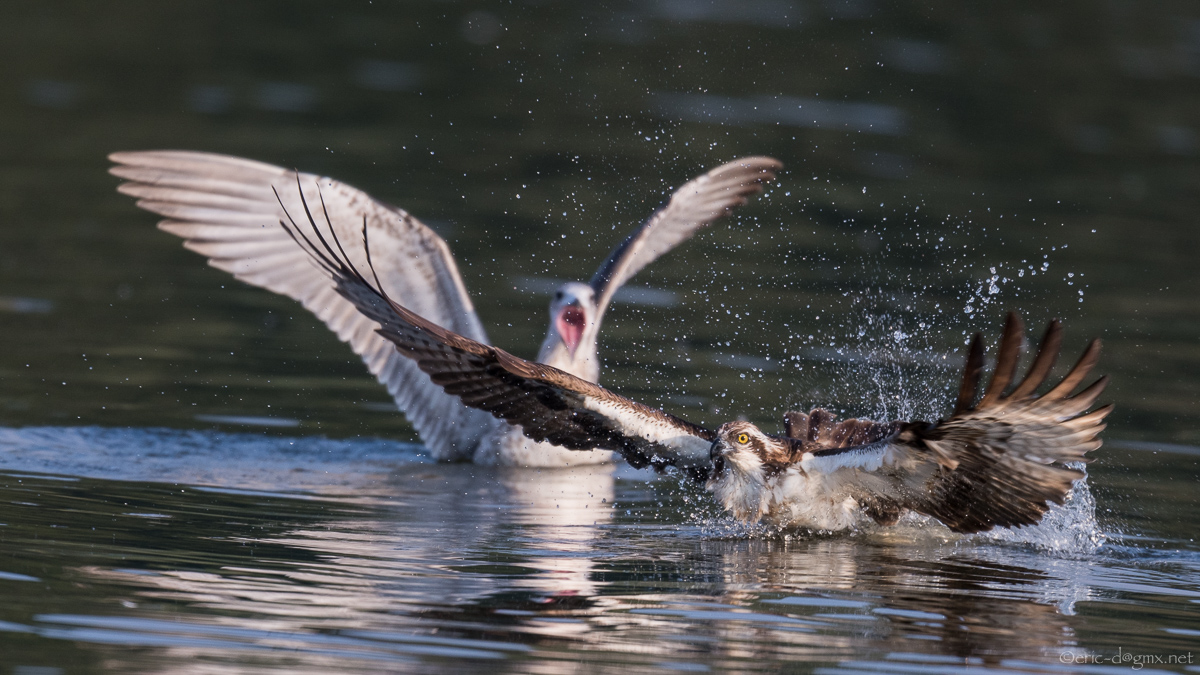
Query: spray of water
(1070, 529)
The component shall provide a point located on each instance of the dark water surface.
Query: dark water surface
(198, 478)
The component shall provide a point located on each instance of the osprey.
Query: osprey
(229, 209)
(996, 462)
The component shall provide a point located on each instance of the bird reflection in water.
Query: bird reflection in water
(469, 557)
(944, 598)
(435, 537)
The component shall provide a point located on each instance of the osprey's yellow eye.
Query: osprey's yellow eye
(743, 438)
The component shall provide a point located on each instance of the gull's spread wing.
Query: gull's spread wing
(697, 203)
(547, 403)
(998, 462)
(229, 209)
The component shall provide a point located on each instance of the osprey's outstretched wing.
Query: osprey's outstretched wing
(998, 462)
(228, 209)
(547, 403)
(697, 203)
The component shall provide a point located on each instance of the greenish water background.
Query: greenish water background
(937, 157)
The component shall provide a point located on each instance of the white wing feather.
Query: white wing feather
(694, 205)
(229, 209)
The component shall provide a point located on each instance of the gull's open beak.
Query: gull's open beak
(570, 323)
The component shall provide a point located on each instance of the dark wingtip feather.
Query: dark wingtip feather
(1006, 359)
(1080, 370)
(1043, 363)
(1088, 396)
(970, 379)
(1010, 480)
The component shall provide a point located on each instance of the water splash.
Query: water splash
(1070, 529)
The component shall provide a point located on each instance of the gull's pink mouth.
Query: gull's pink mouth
(570, 324)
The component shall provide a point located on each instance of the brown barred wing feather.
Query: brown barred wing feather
(1008, 455)
(999, 462)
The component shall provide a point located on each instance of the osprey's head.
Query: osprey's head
(743, 458)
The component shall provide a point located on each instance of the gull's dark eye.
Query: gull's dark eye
(743, 438)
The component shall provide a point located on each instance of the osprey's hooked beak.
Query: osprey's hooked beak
(716, 455)
(570, 323)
